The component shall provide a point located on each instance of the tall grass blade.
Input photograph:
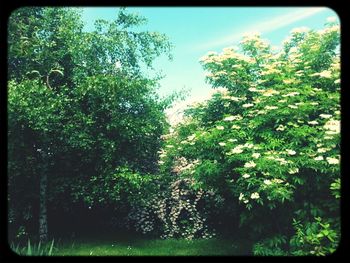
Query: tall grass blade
(39, 246)
(50, 251)
(29, 249)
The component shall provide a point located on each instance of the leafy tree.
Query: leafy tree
(79, 106)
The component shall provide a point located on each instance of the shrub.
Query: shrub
(268, 141)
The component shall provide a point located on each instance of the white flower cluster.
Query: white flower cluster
(180, 203)
(249, 164)
(162, 155)
(247, 105)
(239, 148)
(291, 94)
(254, 38)
(277, 181)
(324, 74)
(232, 118)
(271, 107)
(293, 170)
(332, 160)
(166, 213)
(281, 160)
(332, 127)
(328, 30)
(245, 200)
(181, 165)
(270, 92)
(290, 152)
(280, 127)
(228, 53)
(267, 182)
(255, 195)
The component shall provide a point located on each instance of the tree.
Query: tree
(78, 104)
(268, 141)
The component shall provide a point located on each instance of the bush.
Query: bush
(268, 141)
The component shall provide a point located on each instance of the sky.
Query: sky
(194, 31)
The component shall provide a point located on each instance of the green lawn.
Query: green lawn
(142, 247)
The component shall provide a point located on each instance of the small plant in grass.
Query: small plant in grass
(33, 249)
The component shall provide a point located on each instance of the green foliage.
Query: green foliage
(268, 141)
(80, 107)
(262, 152)
(314, 238)
(270, 247)
(319, 238)
(34, 249)
(335, 187)
(123, 185)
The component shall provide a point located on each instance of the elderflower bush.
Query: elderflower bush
(271, 134)
(288, 111)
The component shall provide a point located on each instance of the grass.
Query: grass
(146, 247)
(34, 249)
(170, 247)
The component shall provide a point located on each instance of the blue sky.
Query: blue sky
(196, 30)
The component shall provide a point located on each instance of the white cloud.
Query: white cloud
(264, 26)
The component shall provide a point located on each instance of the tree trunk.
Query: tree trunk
(43, 229)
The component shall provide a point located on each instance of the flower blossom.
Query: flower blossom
(249, 164)
(293, 171)
(291, 94)
(255, 195)
(270, 92)
(280, 128)
(333, 125)
(267, 182)
(256, 155)
(271, 107)
(191, 137)
(324, 74)
(253, 89)
(278, 181)
(287, 81)
(291, 152)
(318, 158)
(237, 149)
(331, 160)
(325, 116)
(229, 118)
(322, 150)
(247, 105)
